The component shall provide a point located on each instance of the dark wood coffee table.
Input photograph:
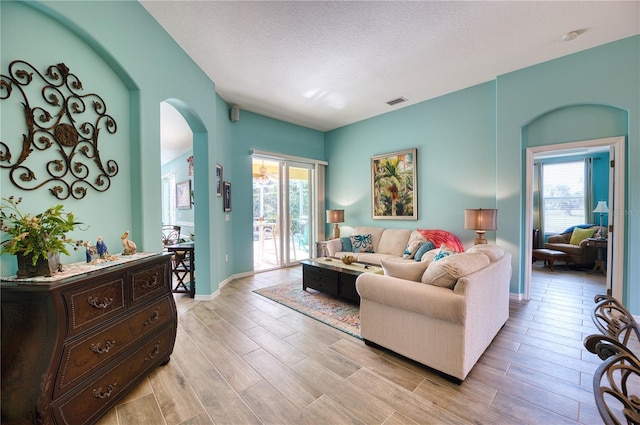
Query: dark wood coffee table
(333, 277)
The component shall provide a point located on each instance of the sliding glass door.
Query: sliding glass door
(282, 212)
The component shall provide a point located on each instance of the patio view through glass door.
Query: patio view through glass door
(281, 212)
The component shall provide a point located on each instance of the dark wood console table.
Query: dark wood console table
(184, 266)
(72, 348)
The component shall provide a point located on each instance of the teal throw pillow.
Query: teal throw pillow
(361, 243)
(346, 244)
(427, 246)
(444, 252)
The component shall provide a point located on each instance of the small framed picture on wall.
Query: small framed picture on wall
(227, 196)
(183, 195)
(218, 180)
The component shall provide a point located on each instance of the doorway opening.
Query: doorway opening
(283, 212)
(176, 147)
(616, 225)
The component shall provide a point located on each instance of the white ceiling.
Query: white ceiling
(326, 64)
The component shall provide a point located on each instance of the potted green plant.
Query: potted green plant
(36, 240)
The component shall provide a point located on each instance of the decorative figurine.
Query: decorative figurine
(103, 251)
(129, 246)
(90, 250)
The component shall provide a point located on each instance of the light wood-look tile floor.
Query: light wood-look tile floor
(242, 359)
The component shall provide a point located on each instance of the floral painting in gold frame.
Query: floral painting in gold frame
(394, 186)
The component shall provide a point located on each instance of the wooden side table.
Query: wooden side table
(601, 246)
(321, 249)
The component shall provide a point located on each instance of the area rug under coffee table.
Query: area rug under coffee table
(340, 314)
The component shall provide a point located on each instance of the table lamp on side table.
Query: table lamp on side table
(335, 217)
(480, 220)
(601, 208)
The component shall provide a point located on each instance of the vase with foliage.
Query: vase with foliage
(36, 240)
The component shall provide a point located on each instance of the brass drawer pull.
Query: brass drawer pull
(152, 355)
(155, 316)
(108, 345)
(153, 282)
(93, 301)
(100, 394)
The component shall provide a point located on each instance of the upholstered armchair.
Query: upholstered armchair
(575, 246)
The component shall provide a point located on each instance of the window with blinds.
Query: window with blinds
(563, 195)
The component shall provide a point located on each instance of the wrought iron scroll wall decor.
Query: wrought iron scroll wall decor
(60, 147)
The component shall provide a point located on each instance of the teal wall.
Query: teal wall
(455, 139)
(596, 93)
(120, 52)
(471, 147)
(255, 131)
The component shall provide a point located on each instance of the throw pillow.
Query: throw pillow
(346, 244)
(427, 246)
(579, 235)
(494, 252)
(361, 243)
(447, 271)
(444, 252)
(408, 270)
(411, 249)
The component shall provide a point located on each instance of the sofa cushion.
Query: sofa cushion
(492, 251)
(404, 270)
(579, 235)
(346, 244)
(393, 241)
(448, 270)
(424, 248)
(375, 257)
(361, 243)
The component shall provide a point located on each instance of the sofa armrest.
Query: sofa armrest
(430, 300)
(583, 244)
(333, 246)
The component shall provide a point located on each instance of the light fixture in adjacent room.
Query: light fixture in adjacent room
(335, 217)
(480, 220)
(602, 209)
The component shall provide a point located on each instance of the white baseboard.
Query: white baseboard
(516, 297)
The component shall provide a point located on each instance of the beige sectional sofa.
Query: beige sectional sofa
(386, 244)
(448, 317)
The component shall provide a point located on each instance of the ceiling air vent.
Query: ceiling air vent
(396, 101)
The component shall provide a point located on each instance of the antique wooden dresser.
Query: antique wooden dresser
(72, 348)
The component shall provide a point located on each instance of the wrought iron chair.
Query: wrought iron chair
(616, 382)
(614, 320)
(170, 234)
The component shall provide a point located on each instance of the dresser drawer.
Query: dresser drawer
(148, 283)
(91, 305)
(91, 401)
(80, 358)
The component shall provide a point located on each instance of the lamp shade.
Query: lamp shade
(480, 219)
(601, 208)
(335, 216)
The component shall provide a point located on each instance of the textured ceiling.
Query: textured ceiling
(327, 64)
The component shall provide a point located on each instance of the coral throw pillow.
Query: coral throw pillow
(439, 237)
